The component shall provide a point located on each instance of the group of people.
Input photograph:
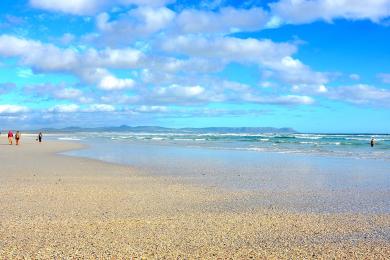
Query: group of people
(17, 137)
(11, 137)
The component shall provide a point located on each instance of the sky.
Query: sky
(313, 65)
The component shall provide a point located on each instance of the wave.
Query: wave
(69, 139)
(322, 144)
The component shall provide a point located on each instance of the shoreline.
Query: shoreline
(333, 146)
(53, 205)
(300, 183)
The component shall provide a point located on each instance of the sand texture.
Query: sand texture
(53, 207)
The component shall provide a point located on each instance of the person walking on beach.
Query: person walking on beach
(10, 137)
(372, 142)
(17, 137)
(40, 137)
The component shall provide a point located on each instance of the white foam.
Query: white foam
(69, 139)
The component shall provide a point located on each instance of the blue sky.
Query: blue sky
(316, 66)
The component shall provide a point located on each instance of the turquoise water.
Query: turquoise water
(338, 145)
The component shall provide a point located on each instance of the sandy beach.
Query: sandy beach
(54, 206)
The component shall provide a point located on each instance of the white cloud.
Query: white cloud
(180, 91)
(47, 58)
(226, 20)
(361, 94)
(306, 11)
(278, 100)
(294, 100)
(79, 7)
(110, 82)
(112, 58)
(42, 57)
(71, 108)
(13, 109)
(137, 23)
(229, 49)
(309, 89)
(267, 54)
(293, 71)
(151, 109)
(100, 108)
(90, 7)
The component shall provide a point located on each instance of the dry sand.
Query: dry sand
(53, 206)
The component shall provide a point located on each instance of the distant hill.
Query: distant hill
(158, 129)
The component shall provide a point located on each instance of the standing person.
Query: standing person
(40, 137)
(10, 137)
(372, 142)
(17, 137)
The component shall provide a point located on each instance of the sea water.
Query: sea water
(313, 171)
(335, 145)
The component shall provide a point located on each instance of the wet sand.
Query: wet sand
(53, 206)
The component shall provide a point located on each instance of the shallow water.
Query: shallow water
(298, 181)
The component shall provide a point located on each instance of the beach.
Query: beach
(57, 206)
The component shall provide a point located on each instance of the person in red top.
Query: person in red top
(10, 137)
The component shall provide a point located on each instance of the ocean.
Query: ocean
(335, 145)
(316, 172)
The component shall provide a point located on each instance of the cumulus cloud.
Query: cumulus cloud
(50, 58)
(226, 20)
(90, 7)
(164, 70)
(293, 71)
(42, 57)
(213, 90)
(361, 94)
(178, 94)
(306, 11)
(112, 58)
(137, 23)
(113, 83)
(229, 48)
(79, 7)
(276, 57)
(47, 58)
(12, 109)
